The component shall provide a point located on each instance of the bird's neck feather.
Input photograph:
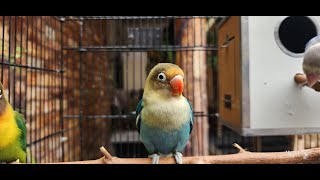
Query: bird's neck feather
(162, 112)
(9, 130)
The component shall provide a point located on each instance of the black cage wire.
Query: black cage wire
(77, 80)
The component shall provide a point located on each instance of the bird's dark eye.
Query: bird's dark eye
(162, 77)
(0, 93)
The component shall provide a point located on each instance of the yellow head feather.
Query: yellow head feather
(153, 84)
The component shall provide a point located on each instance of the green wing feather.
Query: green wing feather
(191, 115)
(22, 126)
(138, 116)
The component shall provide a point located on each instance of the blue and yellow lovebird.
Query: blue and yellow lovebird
(12, 133)
(164, 116)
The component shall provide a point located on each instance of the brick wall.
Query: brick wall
(34, 44)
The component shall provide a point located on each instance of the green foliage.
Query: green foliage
(166, 56)
(212, 61)
(18, 53)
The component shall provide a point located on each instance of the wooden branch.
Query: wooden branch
(242, 157)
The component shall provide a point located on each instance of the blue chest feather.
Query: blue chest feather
(164, 127)
(157, 140)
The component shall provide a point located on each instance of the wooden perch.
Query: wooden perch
(242, 157)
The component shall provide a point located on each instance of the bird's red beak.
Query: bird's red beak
(176, 84)
(312, 79)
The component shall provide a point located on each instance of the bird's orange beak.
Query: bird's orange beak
(312, 79)
(176, 84)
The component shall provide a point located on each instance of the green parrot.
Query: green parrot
(12, 133)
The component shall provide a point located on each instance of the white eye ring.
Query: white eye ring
(162, 77)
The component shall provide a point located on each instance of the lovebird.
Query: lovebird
(164, 116)
(12, 133)
(311, 61)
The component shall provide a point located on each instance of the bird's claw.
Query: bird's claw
(16, 162)
(155, 158)
(178, 157)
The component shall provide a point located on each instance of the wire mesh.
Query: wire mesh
(78, 79)
(30, 74)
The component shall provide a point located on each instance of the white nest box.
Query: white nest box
(258, 57)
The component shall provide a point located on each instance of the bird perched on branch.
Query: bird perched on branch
(311, 61)
(12, 132)
(164, 116)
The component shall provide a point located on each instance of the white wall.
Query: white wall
(275, 99)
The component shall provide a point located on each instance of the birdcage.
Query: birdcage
(77, 80)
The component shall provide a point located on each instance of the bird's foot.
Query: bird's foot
(155, 158)
(13, 162)
(178, 157)
(16, 162)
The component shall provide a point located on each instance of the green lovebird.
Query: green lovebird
(12, 133)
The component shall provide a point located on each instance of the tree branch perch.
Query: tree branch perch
(242, 157)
